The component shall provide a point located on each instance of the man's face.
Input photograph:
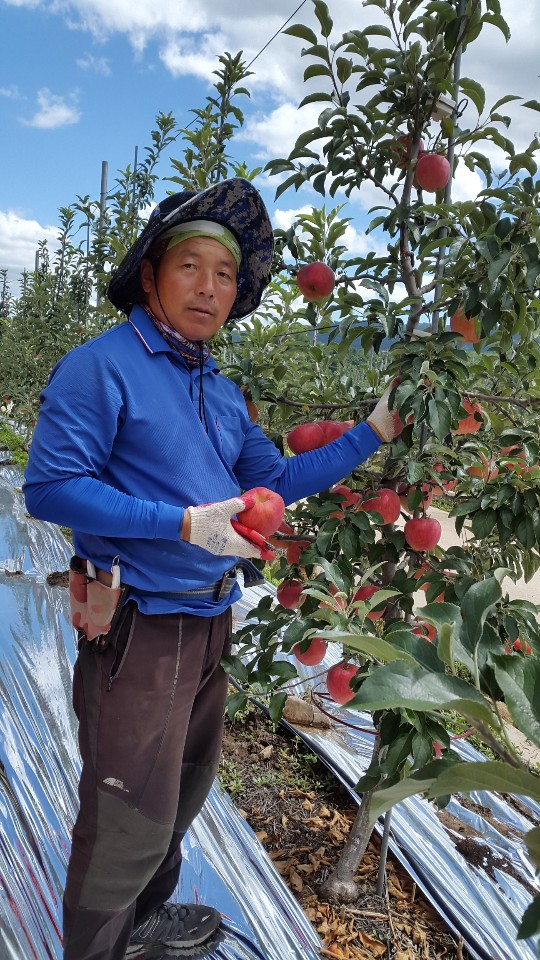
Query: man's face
(196, 283)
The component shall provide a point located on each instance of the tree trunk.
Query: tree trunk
(340, 885)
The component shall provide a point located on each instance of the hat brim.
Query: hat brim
(233, 203)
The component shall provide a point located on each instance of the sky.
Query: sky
(81, 82)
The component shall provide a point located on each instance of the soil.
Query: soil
(302, 816)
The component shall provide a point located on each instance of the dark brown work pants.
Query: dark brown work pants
(150, 711)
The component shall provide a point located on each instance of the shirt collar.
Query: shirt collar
(151, 338)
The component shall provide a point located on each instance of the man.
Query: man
(142, 447)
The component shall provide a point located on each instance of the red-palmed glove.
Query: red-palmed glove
(386, 423)
(211, 529)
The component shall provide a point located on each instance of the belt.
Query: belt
(213, 591)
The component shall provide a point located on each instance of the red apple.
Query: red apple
(466, 326)
(426, 630)
(351, 498)
(317, 433)
(339, 602)
(519, 646)
(333, 429)
(295, 550)
(314, 653)
(364, 593)
(315, 281)
(422, 533)
(404, 490)
(432, 172)
(473, 422)
(485, 470)
(515, 453)
(446, 484)
(266, 514)
(253, 410)
(288, 593)
(383, 501)
(401, 148)
(338, 681)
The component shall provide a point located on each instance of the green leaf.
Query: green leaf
(324, 18)
(532, 105)
(530, 921)
(492, 775)
(440, 418)
(302, 32)
(368, 644)
(519, 679)
(523, 161)
(234, 666)
(474, 91)
(477, 604)
(235, 703)
(414, 688)
(383, 800)
(276, 705)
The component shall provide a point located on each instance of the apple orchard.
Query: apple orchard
(449, 314)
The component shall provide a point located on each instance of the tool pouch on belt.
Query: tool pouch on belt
(95, 607)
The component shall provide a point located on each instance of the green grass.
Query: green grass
(9, 440)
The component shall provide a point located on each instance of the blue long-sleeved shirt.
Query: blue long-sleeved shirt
(119, 452)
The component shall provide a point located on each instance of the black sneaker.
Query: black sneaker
(177, 925)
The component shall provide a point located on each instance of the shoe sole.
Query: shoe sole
(166, 951)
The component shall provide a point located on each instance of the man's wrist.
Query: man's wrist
(185, 529)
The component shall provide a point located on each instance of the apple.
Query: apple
(473, 421)
(338, 680)
(519, 646)
(295, 550)
(422, 533)
(432, 172)
(466, 326)
(516, 454)
(447, 485)
(317, 433)
(485, 470)
(401, 148)
(288, 593)
(266, 513)
(383, 501)
(364, 593)
(351, 499)
(333, 429)
(339, 602)
(315, 281)
(426, 630)
(404, 491)
(314, 653)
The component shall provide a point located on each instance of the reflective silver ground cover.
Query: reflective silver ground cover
(224, 864)
(484, 909)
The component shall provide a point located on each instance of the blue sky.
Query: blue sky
(81, 81)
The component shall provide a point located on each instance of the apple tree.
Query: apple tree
(446, 308)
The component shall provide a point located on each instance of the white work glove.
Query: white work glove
(211, 529)
(386, 423)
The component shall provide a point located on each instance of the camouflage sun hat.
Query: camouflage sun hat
(235, 204)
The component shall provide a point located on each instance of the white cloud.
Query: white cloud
(53, 111)
(19, 239)
(466, 184)
(99, 65)
(11, 92)
(275, 133)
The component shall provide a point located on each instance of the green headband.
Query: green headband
(204, 228)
